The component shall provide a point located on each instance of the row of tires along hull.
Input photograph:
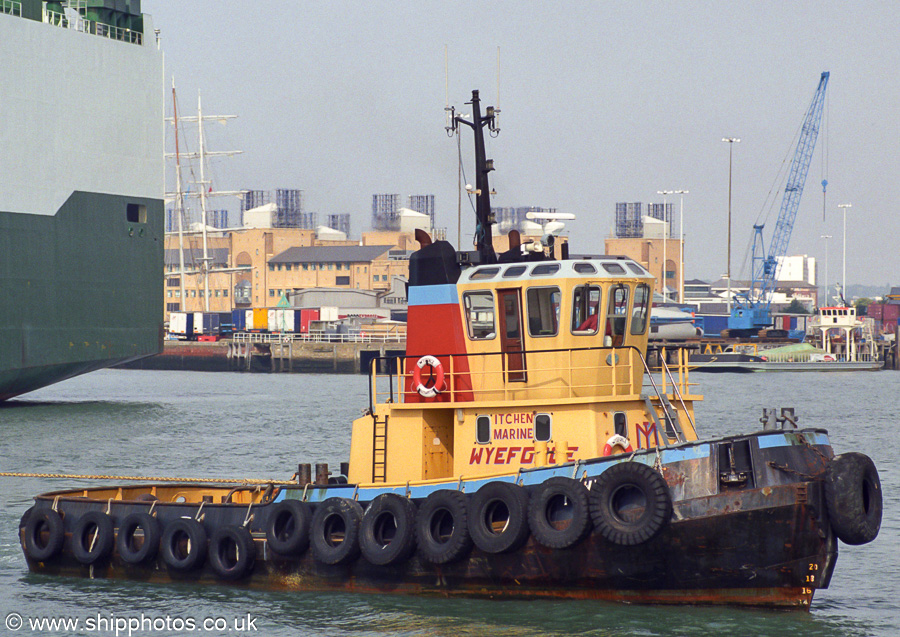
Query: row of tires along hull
(442, 528)
(628, 505)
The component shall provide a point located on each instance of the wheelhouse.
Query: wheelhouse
(518, 365)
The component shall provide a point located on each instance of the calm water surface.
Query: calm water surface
(233, 425)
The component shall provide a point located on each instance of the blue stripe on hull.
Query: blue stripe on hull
(433, 295)
(588, 470)
(789, 439)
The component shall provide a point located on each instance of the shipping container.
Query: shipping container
(287, 320)
(206, 323)
(328, 313)
(226, 324)
(283, 320)
(306, 316)
(256, 320)
(711, 324)
(239, 320)
(181, 324)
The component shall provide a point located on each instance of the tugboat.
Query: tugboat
(522, 448)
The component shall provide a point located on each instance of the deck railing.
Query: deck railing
(548, 375)
(318, 337)
(10, 7)
(93, 27)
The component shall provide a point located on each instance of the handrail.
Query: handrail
(11, 7)
(316, 337)
(675, 389)
(553, 381)
(93, 27)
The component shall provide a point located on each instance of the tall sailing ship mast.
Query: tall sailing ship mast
(203, 193)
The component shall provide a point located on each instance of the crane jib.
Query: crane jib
(765, 264)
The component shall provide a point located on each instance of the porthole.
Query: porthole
(542, 427)
(620, 423)
(483, 430)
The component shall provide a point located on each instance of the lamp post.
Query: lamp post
(731, 141)
(682, 193)
(665, 277)
(826, 237)
(844, 207)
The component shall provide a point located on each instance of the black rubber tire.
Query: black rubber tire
(24, 519)
(442, 527)
(854, 499)
(559, 513)
(498, 517)
(630, 503)
(83, 533)
(185, 531)
(232, 552)
(387, 534)
(125, 544)
(38, 521)
(335, 531)
(287, 530)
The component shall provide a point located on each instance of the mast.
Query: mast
(179, 198)
(204, 192)
(204, 265)
(484, 219)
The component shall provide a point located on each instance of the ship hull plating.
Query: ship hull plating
(763, 541)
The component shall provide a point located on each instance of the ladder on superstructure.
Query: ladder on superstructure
(379, 449)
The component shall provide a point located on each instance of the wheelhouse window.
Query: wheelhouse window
(545, 269)
(641, 305)
(586, 310)
(516, 270)
(485, 273)
(479, 308)
(616, 313)
(543, 311)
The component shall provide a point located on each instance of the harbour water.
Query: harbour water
(231, 425)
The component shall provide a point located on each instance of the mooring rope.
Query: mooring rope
(79, 476)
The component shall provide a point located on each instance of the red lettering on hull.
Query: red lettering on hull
(507, 455)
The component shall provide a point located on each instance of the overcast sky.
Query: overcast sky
(601, 102)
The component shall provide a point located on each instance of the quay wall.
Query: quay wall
(297, 357)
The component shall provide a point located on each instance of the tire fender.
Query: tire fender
(442, 528)
(853, 497)
(287, 529)
(559, 513)
(183, 544)
(232, 552)
(93, 537)
(630, 503)
(335, 531)
(388, 530)
(125, 539)
(498, 517)
(39, 522)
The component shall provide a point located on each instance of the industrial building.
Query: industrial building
(647, 238)
(288, 209)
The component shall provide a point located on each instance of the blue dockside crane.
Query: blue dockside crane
(750, 315)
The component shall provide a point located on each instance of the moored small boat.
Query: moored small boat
(521, 448)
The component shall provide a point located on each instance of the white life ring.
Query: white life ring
(617, 440)
(428, 391)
